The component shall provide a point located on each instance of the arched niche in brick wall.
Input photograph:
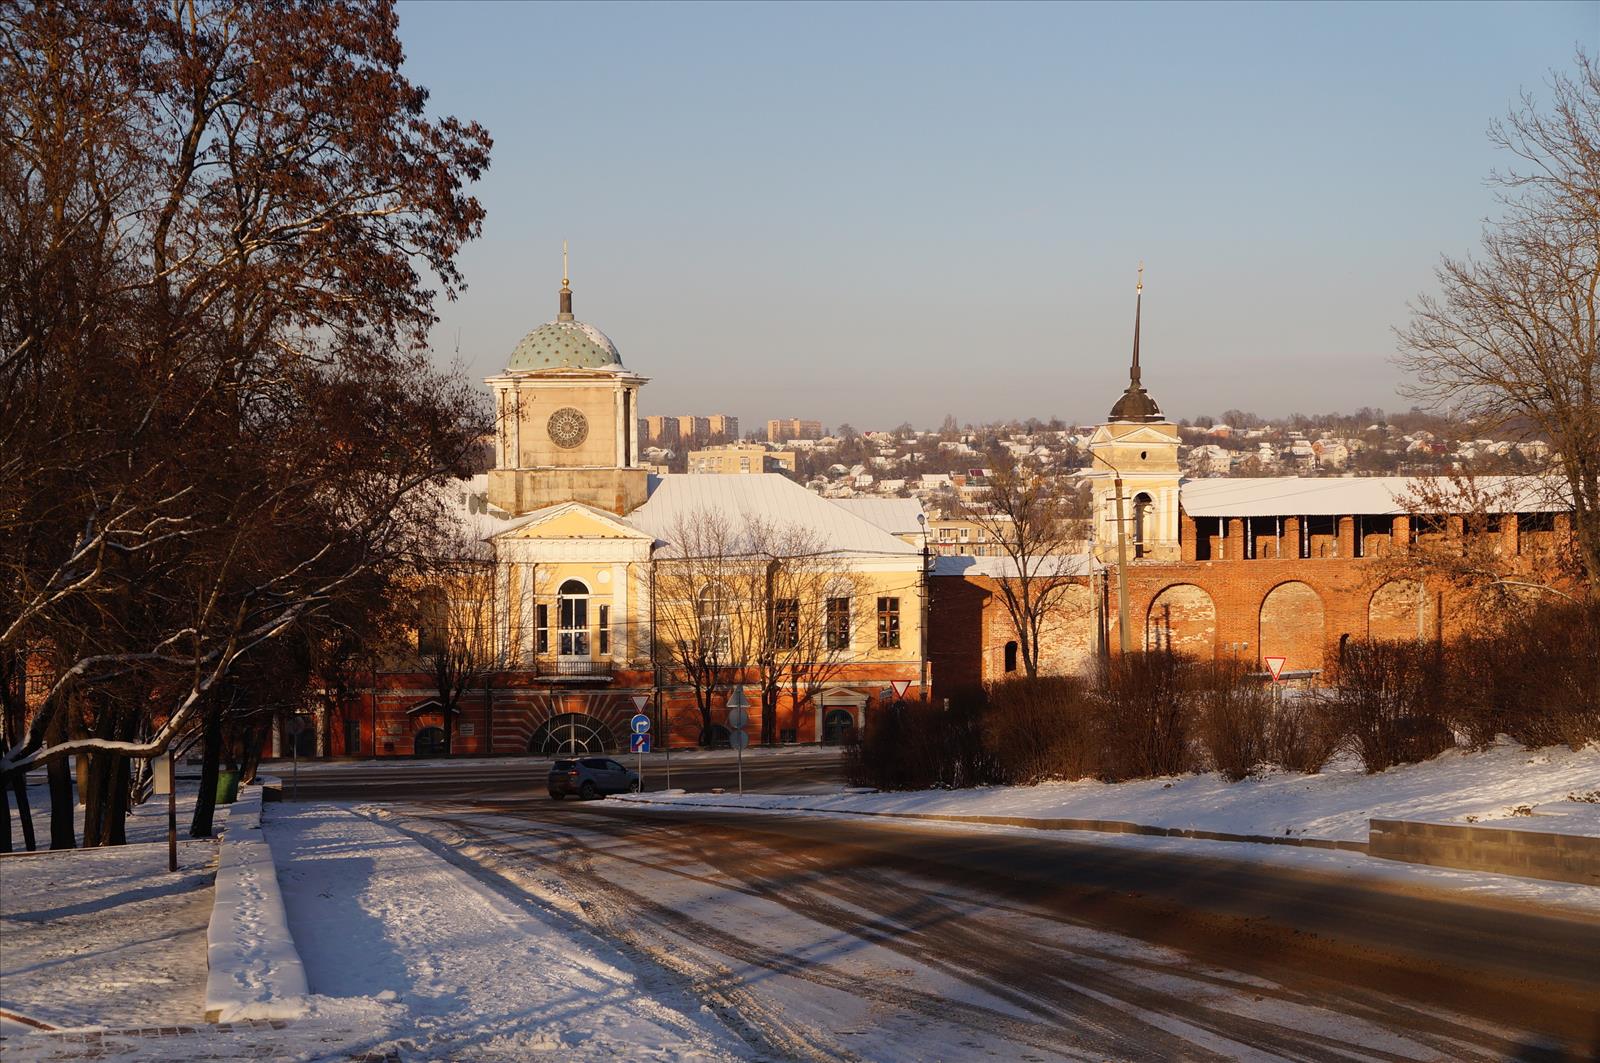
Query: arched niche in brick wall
(1401, 610)
(1182, 619)
(1293, 626)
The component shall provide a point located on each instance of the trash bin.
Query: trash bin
(227, 787)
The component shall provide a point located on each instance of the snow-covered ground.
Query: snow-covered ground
(652, 761)
(438, 965)
(105, 937)
(1506, 785)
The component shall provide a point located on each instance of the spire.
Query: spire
(566, 288)
(1138, 302)
(1136, 404)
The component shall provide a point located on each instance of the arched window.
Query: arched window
(1011, 656)
(1144, 508)
(573, 609)
(716, 628)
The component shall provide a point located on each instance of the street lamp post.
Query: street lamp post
(922, 519)
(1125, 640)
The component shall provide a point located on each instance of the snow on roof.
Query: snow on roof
(1273, 496)
(1004, 567)
(774, 499)
(469, 502)
(897, 516)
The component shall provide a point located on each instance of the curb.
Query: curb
(1099, 826)
(254, 970)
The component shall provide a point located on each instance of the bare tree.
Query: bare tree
(455, 624)
(708, 623)
(1514, 336)
(224, 222)
(1040, 526)
(806, 595)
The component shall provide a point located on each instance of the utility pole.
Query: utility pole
(655, 675)
(1125, 639)
(922, 519)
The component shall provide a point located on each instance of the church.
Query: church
(618, 590)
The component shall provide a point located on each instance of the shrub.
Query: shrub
(1302, 734)
(917, 746)
(1145, 717)
(1235, 718)
(1042, 728)
(1384, 702)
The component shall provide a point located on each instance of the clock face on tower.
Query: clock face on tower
(568, 427)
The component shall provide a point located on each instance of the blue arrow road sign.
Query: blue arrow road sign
(640, 724)
(639, 743)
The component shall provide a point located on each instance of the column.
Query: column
(1233, 547)
(1186, 535)
(1347, 537)
(1508, 535)
(1400, 534)
(619, 457)
(1291, 537)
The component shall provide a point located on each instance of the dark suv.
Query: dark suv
(590, 777)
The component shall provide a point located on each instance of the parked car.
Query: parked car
(591, 777)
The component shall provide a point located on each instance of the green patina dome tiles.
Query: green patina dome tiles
(564, 343)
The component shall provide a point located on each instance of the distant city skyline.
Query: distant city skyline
(879, 214)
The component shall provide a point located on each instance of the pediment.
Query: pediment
(1163, 434)
(573, 520)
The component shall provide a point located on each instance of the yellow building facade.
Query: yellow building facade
(617, 588)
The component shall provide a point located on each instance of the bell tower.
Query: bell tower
(1136, 452)
(566, 420)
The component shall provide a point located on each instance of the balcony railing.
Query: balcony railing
(556, 667)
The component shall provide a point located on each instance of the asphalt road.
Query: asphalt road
(1447, 976)
(787, 771)
(1440, 974)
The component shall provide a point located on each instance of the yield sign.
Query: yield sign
(1275, 666)
(900, 687)
(640, 701)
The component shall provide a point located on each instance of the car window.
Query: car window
(597, 763)
(614, 766)
(564, 765)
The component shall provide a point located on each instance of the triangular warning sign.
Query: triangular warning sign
(640, 701)
(900, 687)
(1275, 666)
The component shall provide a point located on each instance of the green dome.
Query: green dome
(564, 343)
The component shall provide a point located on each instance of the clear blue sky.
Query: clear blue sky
(877, 214)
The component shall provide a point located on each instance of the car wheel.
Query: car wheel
(556, 795)
(633, 787)
(587, 791)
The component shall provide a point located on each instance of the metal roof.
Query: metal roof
(1292, 496)
(746, 500)
(1004, 567)
(897, 516)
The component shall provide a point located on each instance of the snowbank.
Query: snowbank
(255, 972)
(1506, 785)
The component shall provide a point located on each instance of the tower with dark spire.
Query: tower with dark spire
(1139, 446)
(1136, 405)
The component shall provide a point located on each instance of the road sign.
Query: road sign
(738, 709)
(640, 701)
(296, 725)
(900, 687)
(1275, 666)
(738, 719)
(739, 740)
(640, 724)
(639, 743)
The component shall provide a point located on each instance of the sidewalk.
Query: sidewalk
(437, 963)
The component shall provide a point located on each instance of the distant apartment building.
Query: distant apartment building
(740, 458)
(659, 431)
(956, 536)
(672, 431)
(784, 428)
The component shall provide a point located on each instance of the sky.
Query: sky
(873, 214)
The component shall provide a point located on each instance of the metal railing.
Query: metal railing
(559, 667)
